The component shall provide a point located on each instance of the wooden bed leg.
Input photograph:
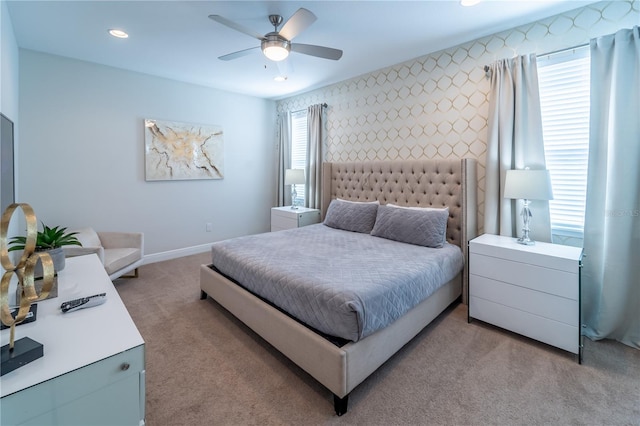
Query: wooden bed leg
(340, 404)
(203, 295)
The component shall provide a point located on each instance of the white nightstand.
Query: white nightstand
(530, 290)
(288, 218)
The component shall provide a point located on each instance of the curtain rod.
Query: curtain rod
(564, 50)
(487, 68)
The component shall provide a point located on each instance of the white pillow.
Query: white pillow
(363, 202)
(418, 208)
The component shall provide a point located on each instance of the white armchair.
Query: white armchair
(119, 252)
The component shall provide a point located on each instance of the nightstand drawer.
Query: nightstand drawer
(283, 222)
(524, 299)
(288, 218)
(542, 329)
(559, 283)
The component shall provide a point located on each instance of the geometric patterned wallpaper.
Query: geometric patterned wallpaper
(436, 106)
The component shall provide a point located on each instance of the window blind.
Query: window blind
(563, 80)
(299, 148)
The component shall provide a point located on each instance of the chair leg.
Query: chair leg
(133, 275)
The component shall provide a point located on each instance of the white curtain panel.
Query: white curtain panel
(283, 194)
(514, 142)
(611, 272)
(315, 133)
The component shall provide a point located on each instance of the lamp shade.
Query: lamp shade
(528, 184)
(294, 177)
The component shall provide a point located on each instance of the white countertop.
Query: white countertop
(78, 338)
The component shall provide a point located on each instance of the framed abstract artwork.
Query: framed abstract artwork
(183, 151)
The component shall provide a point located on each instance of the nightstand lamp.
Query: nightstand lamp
(294, 177)
(527, 185)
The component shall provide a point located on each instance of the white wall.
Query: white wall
(81, 156)
(8, 66)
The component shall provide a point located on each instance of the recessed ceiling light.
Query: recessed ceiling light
(469, 2)
(118, 33)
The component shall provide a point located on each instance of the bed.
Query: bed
(341, 363)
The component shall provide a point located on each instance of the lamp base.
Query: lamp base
(526, 220)
(25, 350)
(525, 241)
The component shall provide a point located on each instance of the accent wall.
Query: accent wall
(436, 106)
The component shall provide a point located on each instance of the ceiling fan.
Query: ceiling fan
(276, 45)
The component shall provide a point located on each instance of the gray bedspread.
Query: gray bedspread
(345, 284)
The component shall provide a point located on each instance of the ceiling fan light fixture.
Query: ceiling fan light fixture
(118, 33)
(275, 48)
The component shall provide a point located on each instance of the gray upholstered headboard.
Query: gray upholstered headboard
(422, 183)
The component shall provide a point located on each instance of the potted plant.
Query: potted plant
(50, 240)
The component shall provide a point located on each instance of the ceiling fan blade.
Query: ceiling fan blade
(239, 54)
(319, 51)
(298, 22)
(224, 21)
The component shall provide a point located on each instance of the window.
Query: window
(299, 149)
(564, 99)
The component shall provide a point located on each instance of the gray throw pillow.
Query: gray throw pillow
(351, 216)
(426, 228)
(444, 239)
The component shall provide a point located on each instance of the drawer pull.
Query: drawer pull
(125, 366)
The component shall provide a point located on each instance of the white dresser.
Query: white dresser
(93, 368)
(530, 290)
(288, 218)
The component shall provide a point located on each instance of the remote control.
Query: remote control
(83, 302)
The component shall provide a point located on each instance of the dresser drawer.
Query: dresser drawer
(559, 283)
(49, 399)
(545, 330)
(524, 299)
(552, 256)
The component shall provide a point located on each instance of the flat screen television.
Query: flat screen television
(7, 177)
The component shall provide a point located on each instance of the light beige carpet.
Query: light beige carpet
(206, 368)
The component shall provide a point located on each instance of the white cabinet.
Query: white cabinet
(530, 290)
(93, 368)
(288, 218)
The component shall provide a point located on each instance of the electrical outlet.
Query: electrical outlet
(209, 227)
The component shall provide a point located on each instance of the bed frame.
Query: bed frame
(427, 183)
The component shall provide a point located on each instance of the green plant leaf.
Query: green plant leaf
(48, 238)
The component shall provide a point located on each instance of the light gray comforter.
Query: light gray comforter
(345, 284)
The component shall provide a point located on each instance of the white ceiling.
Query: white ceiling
(177, 40)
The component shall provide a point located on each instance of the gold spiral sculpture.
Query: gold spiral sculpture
(24, 270)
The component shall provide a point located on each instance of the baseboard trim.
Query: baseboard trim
(175, 254)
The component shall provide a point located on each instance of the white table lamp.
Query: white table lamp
(527, 185)
(294, 177)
